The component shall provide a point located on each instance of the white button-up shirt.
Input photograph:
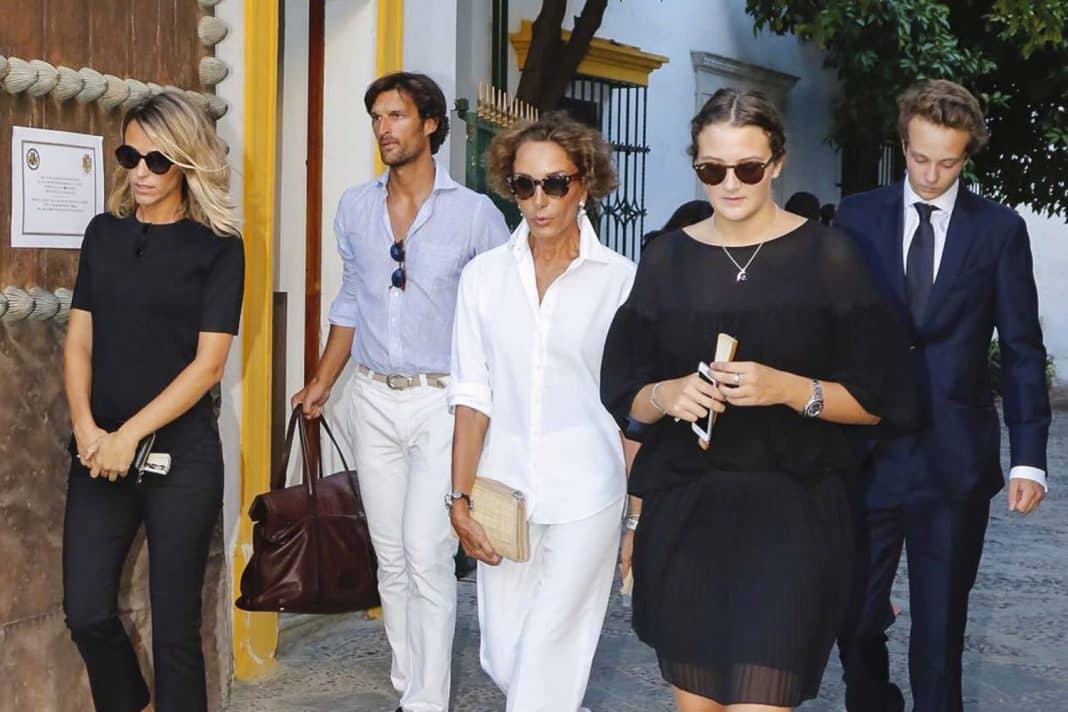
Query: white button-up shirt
(535, 371)
(939, 221)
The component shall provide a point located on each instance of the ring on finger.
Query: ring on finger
(737, 379)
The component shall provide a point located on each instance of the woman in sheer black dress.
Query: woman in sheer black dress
(741, 553)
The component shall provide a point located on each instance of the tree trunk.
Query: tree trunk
(550, 63)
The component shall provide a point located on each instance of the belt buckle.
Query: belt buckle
(397, 381)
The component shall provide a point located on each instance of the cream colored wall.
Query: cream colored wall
(348, 160)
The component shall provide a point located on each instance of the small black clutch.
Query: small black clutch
(144, 449)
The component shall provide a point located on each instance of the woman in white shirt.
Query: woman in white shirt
(531, 321)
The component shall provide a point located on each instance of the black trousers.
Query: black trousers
(179, 511)
(944, 541)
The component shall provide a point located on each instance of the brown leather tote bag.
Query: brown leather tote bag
(311, 550)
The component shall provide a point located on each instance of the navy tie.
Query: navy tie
(919, 267)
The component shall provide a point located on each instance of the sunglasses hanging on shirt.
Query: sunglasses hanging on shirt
(748, 172)
(128, 157)
(555, 185)
(399, 278)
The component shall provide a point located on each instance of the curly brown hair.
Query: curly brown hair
(585, 147)
(943, 103)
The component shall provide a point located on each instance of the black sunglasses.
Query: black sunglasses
(128, 157)
(749, 172)
(555, 185)
(399, 278)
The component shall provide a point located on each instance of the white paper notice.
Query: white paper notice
(57, 186)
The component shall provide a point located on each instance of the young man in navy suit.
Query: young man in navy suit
(956, 266)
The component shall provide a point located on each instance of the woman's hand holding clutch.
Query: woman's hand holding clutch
(87, 437)
(113, 456)
(688, 398)
(472, 537)
(747, 383)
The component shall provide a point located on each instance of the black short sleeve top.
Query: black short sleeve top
(151, 290)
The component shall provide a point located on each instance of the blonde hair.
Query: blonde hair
(184, 134)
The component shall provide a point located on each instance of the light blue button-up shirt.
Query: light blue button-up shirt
(408, 331)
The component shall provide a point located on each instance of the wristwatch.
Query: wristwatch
(814, 407)
(451, 497)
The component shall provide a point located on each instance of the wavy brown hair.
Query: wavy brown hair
(186, 135)
(943, 103)
(585, 147)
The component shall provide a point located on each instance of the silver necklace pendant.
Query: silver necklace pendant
(742, 276)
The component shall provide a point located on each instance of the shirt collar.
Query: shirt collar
(590, 247)
(944, 202)
(442, 179)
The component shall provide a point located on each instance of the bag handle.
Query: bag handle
(278, 479)
(337, 448)
(297, 422)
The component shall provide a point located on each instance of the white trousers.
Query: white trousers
(541, 620)
(403, 443)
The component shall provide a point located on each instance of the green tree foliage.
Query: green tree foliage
(1012, 53)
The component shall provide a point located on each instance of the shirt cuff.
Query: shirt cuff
(342, 313)
(473, 395)
(1026, 472)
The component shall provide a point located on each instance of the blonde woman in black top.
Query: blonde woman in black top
(156, 305)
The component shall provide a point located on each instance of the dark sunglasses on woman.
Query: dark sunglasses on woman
(555, 185)
(748, 172)
(128, 157)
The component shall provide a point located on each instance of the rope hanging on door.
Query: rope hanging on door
(38, 78)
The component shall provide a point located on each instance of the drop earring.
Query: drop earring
(581, 212)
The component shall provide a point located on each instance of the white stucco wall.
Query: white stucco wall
(430, 47)
(348, 159)
(1049, 245)
(674, 28)
(231, 128)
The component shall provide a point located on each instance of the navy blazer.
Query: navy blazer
(985, 281)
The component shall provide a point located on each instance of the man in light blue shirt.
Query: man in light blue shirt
(404, 239)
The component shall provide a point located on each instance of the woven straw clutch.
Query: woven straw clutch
(502, 512)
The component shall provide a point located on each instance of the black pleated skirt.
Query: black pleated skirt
(741, 580)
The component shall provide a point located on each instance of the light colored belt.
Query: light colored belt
(399, 382)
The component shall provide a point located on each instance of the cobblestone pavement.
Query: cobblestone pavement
(1016, 655)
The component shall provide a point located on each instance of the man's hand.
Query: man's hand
(311, 398)
(1024, 495)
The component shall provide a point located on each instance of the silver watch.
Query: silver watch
(814, 407)
(451, 497)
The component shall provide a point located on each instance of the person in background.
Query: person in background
(403, 238)
(804, 204)
(156, 305)
(827, 212)
(688, 213)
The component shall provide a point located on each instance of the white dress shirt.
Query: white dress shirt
(535, 370)
(940, 222)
